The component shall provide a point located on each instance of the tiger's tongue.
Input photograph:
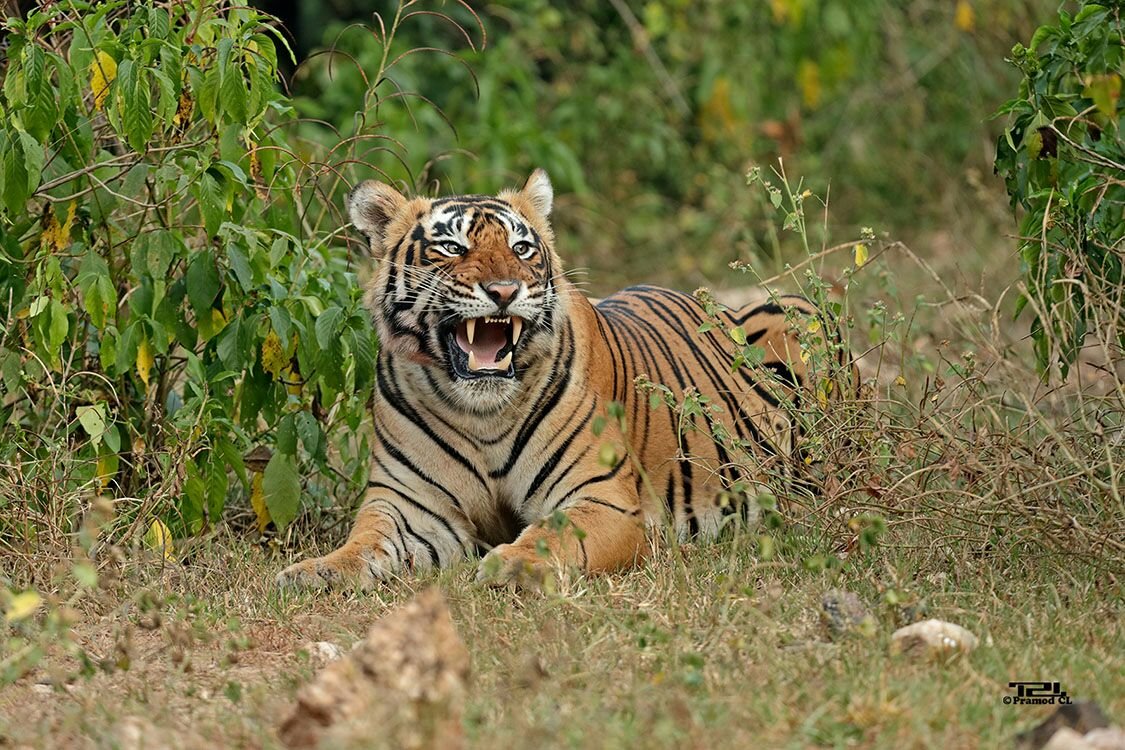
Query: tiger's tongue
(488, 340)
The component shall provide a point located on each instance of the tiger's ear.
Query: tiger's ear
(538, 192)
(372, 205)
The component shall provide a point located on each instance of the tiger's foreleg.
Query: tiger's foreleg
(388, 536)
(593, 534)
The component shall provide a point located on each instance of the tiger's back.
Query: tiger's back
(697, 460)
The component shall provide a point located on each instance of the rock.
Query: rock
(403, 686)
(842, 613)
(1067, 739)
(322, 652)
(1080, 716)
(932, 638)
(1106, 738)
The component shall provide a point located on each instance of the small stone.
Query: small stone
(1106, 738)
(1081, 716)
(42, 689)
(932, 638)
(404, 686)
(843, 612)
(323, 652)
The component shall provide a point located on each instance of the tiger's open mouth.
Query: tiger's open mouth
(483, 347)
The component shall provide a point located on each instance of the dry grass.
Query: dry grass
(705, 646)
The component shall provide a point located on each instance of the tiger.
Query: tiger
(507, 416)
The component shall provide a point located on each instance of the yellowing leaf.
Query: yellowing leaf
(158, 538)
(808, 80)
(813, 326)
(56, 236)
(823, 391)
(22, 606)
(860, 255)
(106, 468)
(256, 173)
(792, 11)
(1104, 90)
(964, 18)
(102, 72)
(258, 503)
(805, 355)
(144, 360)
(716, 117)
(183, 110)
(900, 381)
(273, 355)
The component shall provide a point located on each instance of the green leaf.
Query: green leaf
(137, 115)
(287, 436)
(308, 429)
(202, 283)
(212, 206)
(282, 488)
(281, 322)
(126, 348)
(11, 370)
(92, 419)
(327, 325)
(32, 159)
(241, 267)
(13, 170)
(236, 345)
(59, 327)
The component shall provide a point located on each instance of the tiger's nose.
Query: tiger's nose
(502, 292)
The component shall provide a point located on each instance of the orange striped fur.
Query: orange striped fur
(478, 451)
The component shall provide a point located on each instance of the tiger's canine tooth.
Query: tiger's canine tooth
(517, 329)
(504, 363)
(473, 364)
(470, 329)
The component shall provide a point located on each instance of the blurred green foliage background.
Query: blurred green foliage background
(648, 114)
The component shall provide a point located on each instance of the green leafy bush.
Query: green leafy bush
(647, 115)
(172, 293)
(1063, 161)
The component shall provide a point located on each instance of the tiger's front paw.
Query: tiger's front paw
(341, 569)
(516, 566)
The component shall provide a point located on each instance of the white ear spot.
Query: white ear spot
(539, 192)
(371, 206)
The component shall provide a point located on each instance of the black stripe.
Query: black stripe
(551, 463)
(397, 455)
(435, 558)
(592, 480)
(399, 404)
(442, 521)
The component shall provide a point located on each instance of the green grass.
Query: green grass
(704, 646)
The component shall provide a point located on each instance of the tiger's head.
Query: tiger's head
(466, 286)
